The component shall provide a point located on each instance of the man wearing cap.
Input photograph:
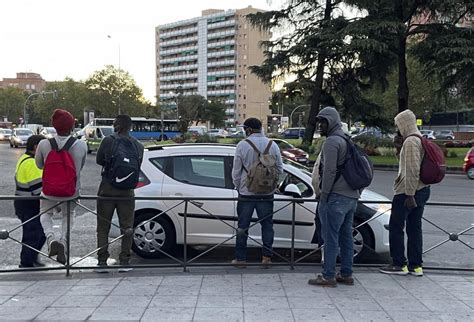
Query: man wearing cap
(63, 122)
(245, 157)
(337, 203)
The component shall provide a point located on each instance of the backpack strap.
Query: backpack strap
(269, 145)
(54, 144)
(253, 146)
(68, 144)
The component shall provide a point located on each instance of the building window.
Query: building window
(245, 97)
(245, 106)
(33, 87)
(245, 56)
(27, 86)
(245, 115)
(245, 36)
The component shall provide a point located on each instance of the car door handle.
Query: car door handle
(197, 203)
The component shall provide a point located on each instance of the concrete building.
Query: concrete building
(30, 82)
(210, 56)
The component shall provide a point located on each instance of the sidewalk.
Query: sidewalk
(251, 294)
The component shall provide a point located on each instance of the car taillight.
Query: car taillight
(142, 181)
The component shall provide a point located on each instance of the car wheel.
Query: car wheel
(151, 235)
(363, 241)
(470, 173)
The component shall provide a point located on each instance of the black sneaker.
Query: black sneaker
(102, 267)
(394, 270)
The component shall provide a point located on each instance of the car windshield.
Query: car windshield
(284, 145)
(300, 167)
(24, 132)
(107, 131)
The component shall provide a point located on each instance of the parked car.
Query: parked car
(468, 165)
(293, 133)
(20, 136)
(444, 135)
(367, 132)
(429, 134)
(48, 132)
(238, 134)
(93, 136)
(291, 152)
(5, 134)
(204, 170)
(220, 133)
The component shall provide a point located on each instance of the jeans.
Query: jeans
(337, 216)
(245, 210)
(105, 211)
(412, 218)
(33, 234)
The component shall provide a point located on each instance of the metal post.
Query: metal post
(68, 238)
(185, 237)
(162, 123)
(293, 213)
(291, 114)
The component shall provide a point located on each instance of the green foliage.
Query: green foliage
(214, 112)
(12, 101)
(112, 89)
(206, 139)
(190, 108)
(453, 154)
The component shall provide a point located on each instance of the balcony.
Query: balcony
(226, 72)
(169, 43)
(222, 63)
(178, 77)
(170, 34)
(177, 50)
(221, 43)
(221, 82)
(178, 59)
(221, 34)
(177, 68)
(222, 53)
(211, 26)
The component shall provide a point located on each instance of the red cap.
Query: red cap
(62, 121)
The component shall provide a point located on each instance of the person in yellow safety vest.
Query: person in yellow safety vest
(28, 183)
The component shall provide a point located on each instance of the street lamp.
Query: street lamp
(119, 75)
(291, 115)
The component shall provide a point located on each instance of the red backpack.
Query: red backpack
(433, 165)
(59, 174)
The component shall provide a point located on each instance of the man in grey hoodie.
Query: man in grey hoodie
(63, 122)
(337, 203)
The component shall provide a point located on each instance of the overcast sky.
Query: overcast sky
(68, 38)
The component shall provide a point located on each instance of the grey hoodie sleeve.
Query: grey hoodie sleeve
(330, 160)
(39, 156)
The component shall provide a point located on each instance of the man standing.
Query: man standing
(408, 202)
(118, 180)
(28, 183)
(63, 122)
(245, 178)
(337, 203)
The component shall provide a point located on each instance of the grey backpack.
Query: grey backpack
(262, 176)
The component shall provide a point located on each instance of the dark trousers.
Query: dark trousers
(33, 234)
(401, 217)
(245, 209)
(105, 211)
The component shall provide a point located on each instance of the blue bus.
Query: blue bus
(146, 128)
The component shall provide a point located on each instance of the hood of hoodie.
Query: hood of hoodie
(406, 123)
(333, 118)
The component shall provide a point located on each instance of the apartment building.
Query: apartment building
(30, 82)
(210, 55)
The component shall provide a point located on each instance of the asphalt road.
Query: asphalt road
(455, 188)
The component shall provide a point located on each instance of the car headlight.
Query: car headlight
(17, 139)
(379, 208)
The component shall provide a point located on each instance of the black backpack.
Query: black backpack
(357, 168)
(123, 168)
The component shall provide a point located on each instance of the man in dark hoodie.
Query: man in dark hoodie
(337, 203)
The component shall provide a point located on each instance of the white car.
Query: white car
(48, 132)
(220, 133)
(429, 134)
(204, 170)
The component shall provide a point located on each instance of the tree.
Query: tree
(214, 112)
(394, 24)
(315, 37)
(190, 109)
(12, 101)
(114, 90)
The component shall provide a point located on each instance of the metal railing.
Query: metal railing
(187, 261)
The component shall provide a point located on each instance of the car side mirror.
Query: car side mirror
(292, 190)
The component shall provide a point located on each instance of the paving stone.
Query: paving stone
(12, 289)
(178, 290)
(362, 304)
(317, 315)
(174, 301)
(46, 289)
(303, 290)
(65, 313)
(216, 301)
(168, 314)
(365, 316)
(90, 290)
(13, 313)
(218, 314)
(78, 301)
(99, 282)
(134, 289)
(126, 300)
(31, 300)
(147, 280)
(266, 314)
(457, 316)
(446, 278)
(220, 289)
(262, 288)
(321, 301)
(446, 306)
(4, 298)
(402, 316)
(270, 302)
(411, 305)
(118, 313)
(182, 280)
